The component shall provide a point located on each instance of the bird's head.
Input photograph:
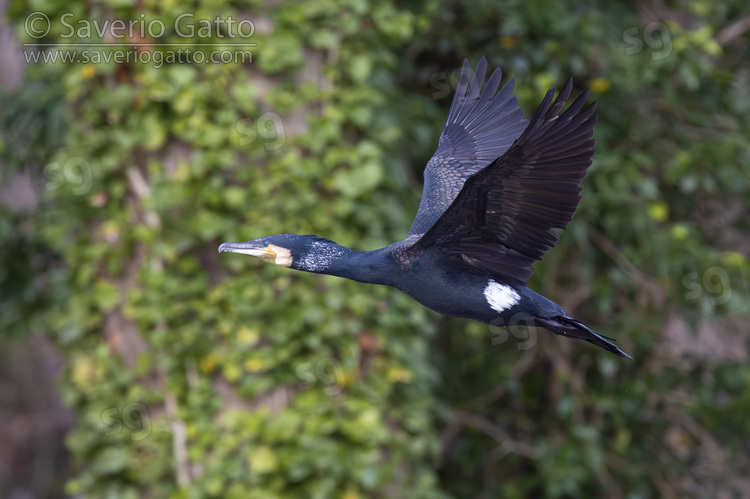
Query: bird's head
(309, 253)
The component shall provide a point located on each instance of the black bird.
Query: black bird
(494, 191)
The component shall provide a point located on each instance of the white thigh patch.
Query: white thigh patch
(500, 297)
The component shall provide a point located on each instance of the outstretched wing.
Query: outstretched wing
(479, 129)
(502, 220)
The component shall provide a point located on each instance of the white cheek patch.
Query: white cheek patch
(500, 297)
(283, 255)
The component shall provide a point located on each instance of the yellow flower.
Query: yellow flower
(350, 494)
(208, 364)
(263, 460)
(507, 42)
(399, 375)
(248, 336)
(254, 365)
(88, 71)
(599, 85)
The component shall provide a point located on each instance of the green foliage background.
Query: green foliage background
(245, 380)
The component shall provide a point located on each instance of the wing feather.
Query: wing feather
(481, 126)
(503, 218)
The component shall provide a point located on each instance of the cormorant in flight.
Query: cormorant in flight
(494, 191)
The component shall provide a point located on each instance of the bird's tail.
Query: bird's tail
(567, 326)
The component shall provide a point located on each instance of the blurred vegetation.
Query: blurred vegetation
(192, 375)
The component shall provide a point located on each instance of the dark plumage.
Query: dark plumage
(494, 191)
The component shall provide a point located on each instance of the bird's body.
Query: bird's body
(494, 190)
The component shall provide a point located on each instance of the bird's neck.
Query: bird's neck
(372, 267)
